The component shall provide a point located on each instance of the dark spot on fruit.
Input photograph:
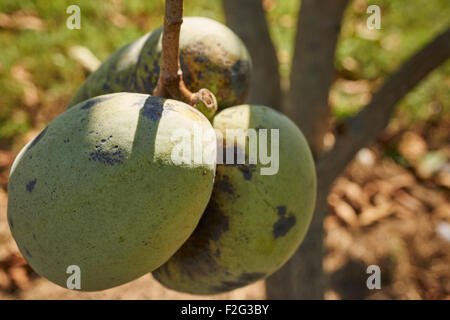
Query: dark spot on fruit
(243, 280)
(240, 72)
(92, 102)
(27, 252)
(196, 257)
(187, 75)
(30, 185)
(283, 225)
(145, 243)
(106, 87)
(34, 236)
(217, 253)
(66, 141)
(223, 184)
(200, 75)
(106, 157)
(214, 222)
(121, 239)
(38, 138)
(153, 108)
(156, 65)
(246, 172)
(281, 210)
(148, 78)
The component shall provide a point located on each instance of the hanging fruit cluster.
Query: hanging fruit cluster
(100, 188)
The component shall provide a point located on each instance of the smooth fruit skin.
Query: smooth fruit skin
(97, 188)
(212, 57)
(253, 223)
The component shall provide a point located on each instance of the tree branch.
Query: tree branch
(170, 82)
(247, 19)
(313, 67)
(362, 129)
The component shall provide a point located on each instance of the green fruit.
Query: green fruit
(254, 222)
(212, 57)
(98, 189)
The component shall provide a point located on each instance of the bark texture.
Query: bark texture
(247, 19)
(312, 75)
(313, 71)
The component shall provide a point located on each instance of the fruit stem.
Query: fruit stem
(170, 82)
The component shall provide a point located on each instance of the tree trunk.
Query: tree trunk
(247, 19)
(313, 71)
(311, 78)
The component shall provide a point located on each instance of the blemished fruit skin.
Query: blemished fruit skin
(211, 56)
(253, 223)
(97, 188)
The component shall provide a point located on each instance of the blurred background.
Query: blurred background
(390, 208)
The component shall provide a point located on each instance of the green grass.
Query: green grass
(406, 26)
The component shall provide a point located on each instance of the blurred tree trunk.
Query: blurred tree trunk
(312, 72)
(303, 277)
(312, 75)
(247, 19)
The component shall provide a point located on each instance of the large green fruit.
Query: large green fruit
(254, 222)
(98, 189)
(212, 57)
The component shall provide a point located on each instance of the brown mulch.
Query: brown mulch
(386, 214)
